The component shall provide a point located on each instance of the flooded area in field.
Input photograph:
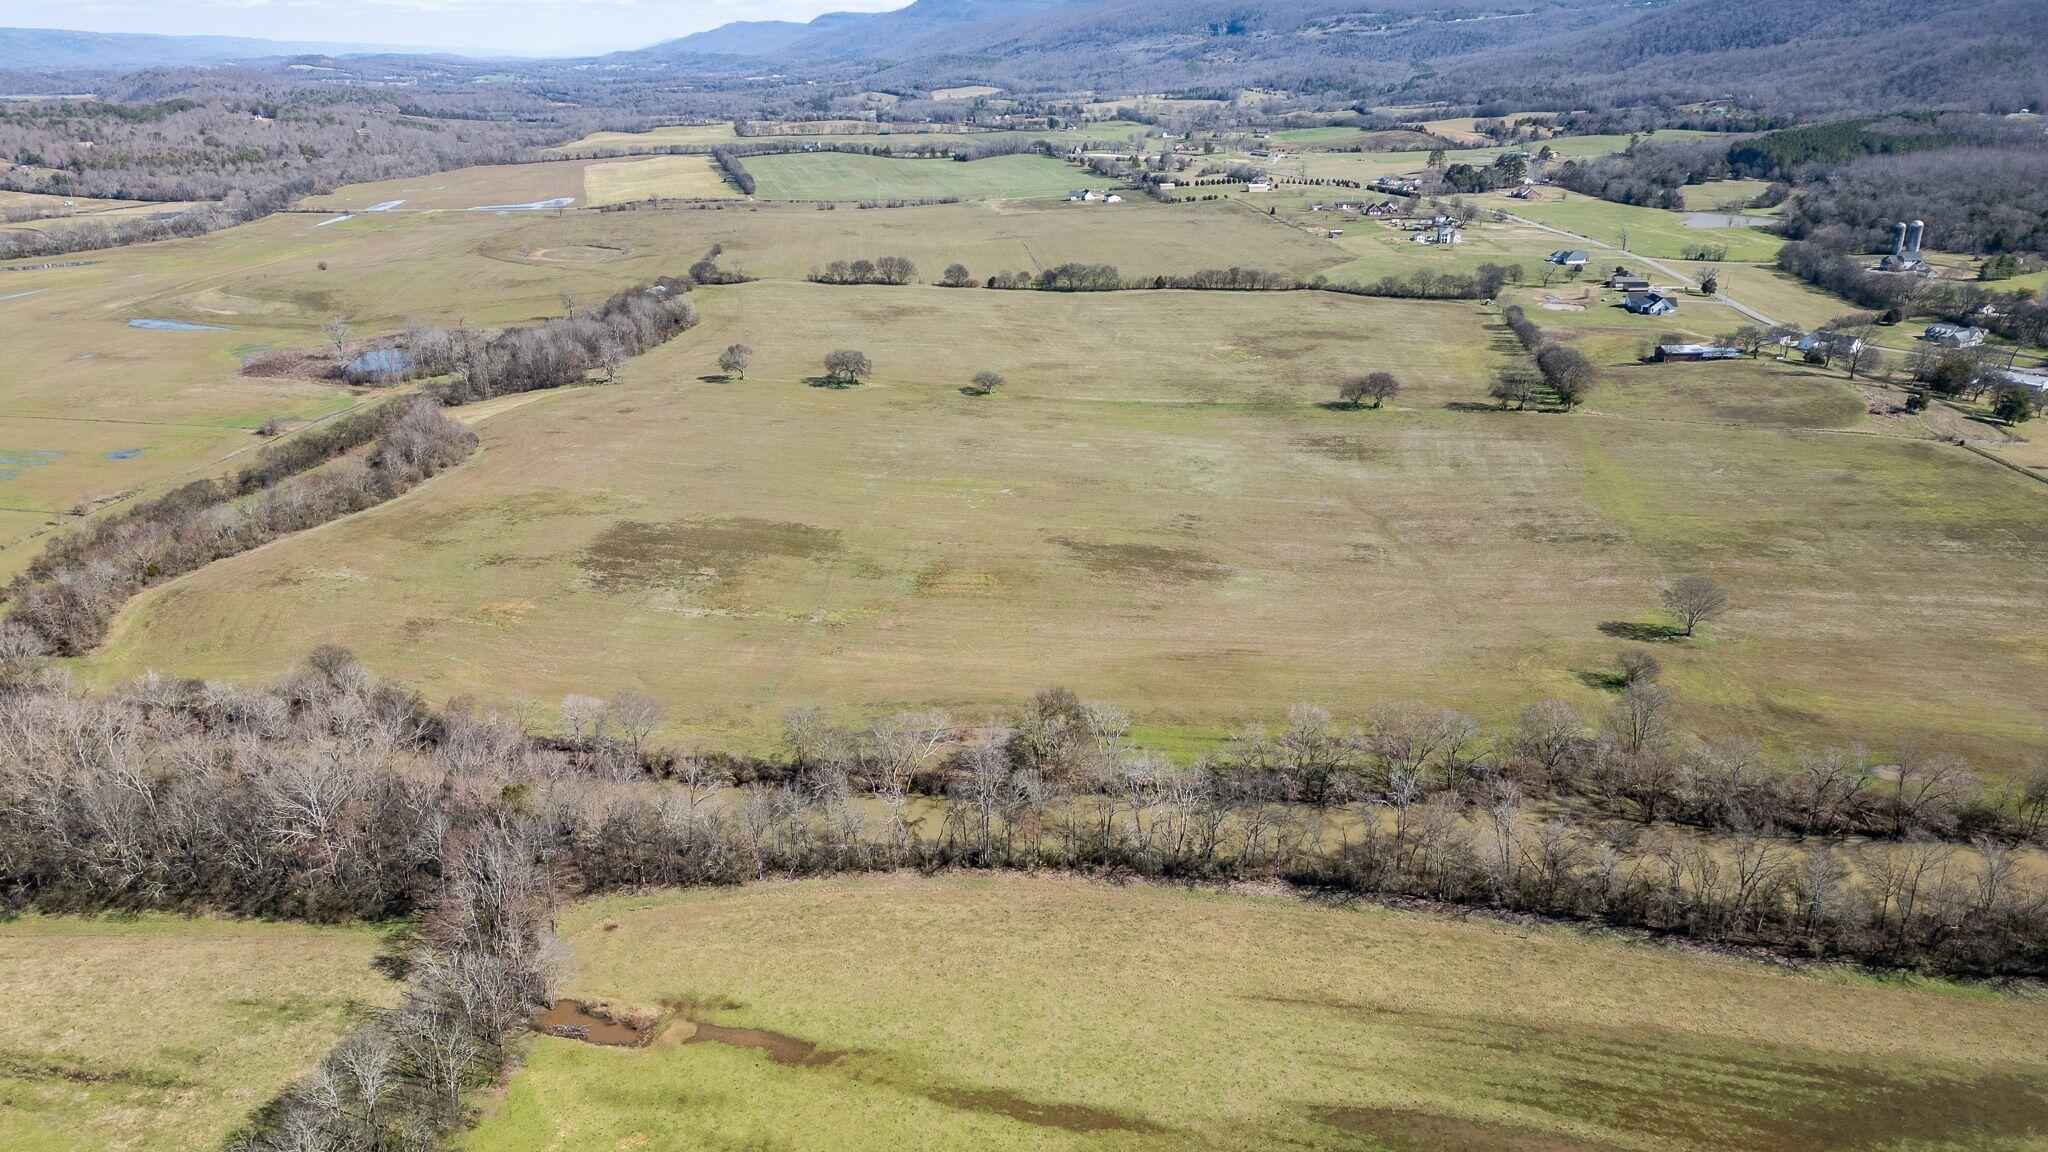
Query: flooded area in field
(571, 1020)
(156, 325)
(777, 1046)
(536, 206)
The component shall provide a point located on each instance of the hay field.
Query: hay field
(658, 177)
(1007, 1012)
(846, 176)
(159, 1032)
(1158, 512)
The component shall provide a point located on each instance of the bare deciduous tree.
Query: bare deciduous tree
(1695, 600)
(734, 360)
(339, 333)
(848, 365)
(1378, 387)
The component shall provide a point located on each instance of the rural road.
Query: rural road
(1666, 269)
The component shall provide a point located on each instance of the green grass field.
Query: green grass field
(1019, 1013)
(1653, 232)
(851, 176)
(1730, 195)
(158, 1032)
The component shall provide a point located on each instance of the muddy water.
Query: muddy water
(780, 1048)
(799, 1053)
(568, 1019)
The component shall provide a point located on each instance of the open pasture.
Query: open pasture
(1784, 298)
(655, 178)
(487, 185)
(768, 240)
(1157, 511)
(846, 176)
(1725, 196)
(58, 203)
(1654, 232)
(96, 408)
(1384, 250)
(160, 1033)
(1373, 165)
(1018, 1013)
(653, 140)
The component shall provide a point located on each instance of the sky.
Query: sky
(531, 27)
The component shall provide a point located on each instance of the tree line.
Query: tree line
(69, 594)
(1564, 369)
(331, 795)
(555, 352)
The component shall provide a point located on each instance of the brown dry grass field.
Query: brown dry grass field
(1157, 509)
(158, 1033)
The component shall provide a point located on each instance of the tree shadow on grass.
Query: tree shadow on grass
(1601, 680)
(1643, 633)
(717, 378)
(1342, 406)
(396, 953)
(830, 382)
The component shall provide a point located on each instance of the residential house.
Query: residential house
(1649, 304)
(1828, 343)
(1953, 335)
(1571, 258)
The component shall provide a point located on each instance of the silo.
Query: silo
(1899, 238)
(1913, 232)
